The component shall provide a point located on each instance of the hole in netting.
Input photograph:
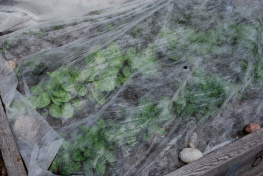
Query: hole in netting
(185, 67)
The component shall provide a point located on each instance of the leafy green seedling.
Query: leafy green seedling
(144, 121)
(4, 47)
(91, 151)
(57, 27)
(109, 26)
(203, 95)
(58, 92)
(41, 99)
(37, 33)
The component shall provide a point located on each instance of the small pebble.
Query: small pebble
(189, 155)
(12, 64)
(193, 141)
(252, 127)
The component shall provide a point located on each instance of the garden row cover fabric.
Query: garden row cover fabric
(119, 90)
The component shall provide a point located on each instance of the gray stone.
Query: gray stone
(189, 155)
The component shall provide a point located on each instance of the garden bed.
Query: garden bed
(119, 92)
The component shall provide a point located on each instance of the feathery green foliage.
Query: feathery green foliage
(202, 96)
(4, 47)
(91, 151)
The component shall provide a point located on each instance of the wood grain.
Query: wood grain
(12, 159)
(240, 158)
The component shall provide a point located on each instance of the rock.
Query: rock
(12, 64)
(193, 141)
(252, 127)
(189, 155)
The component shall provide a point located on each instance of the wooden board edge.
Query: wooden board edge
(243, 157)
(11, 156)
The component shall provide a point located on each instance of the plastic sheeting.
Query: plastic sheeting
(119, 90)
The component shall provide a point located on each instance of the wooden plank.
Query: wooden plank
(241, 158)
(12, 159)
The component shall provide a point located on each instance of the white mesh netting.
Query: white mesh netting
(117, 87)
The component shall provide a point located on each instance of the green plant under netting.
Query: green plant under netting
(105, 71)
(257, 50)
(65, 86)
(4, 47)
(250, 42)
(57, 27)
(145, 62)
(187, 41)
(37, 33)
(223, 39)
(203, 95)
(109, 26)
(142, 122)
(59, 93)
(90, 151)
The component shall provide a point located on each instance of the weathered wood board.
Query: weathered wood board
(11, 156)
(240, 158)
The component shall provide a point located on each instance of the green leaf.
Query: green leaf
(101, 123)
(130, 55)
(33, 100)
(118, 82)
(55, 111)
(54, 99)
(76, 166)
(239, 96)
(98, 96)
(67, 110)
(81, 90)
(87, 75)
(36, 90)
(160, 131)
(55, 166)
(100, 59)
(109, 72)
(126, 71)
(67, 169)
(58, 100)
(79, 104)
(107, 84)
(66, 145)
(94, 130)
(84, 129)
(43, 100)
(68, 87)
(56, 74)
(122, 79)
(110, 157)
(77, 156)
(88, 168)
(51, 85)
(100, 167)
(60, 93)
(89, 154)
